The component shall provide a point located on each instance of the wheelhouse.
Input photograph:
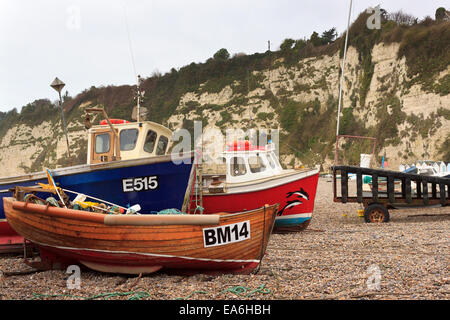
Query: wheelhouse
(124, 141)
(241, 162)
(245, 162)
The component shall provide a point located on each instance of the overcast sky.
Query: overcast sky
(86, 43)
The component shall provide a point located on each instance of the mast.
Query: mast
(138, 97)
(343, 68)
(342, 80)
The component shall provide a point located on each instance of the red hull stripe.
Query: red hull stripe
(235, 202)
(130, 257)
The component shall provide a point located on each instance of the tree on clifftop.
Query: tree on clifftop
(315, 39)
(287, 44)
(440, 14)
(329, 36)
(222, 54)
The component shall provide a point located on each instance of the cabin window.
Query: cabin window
(102, 143)
(269, 159)
(162, 145)
(237, 166)
(256, 164)
(274, 158)
(128, 138)
(150, 140)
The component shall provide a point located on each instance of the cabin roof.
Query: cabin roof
(157, 126)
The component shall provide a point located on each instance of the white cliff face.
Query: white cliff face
(20, 146)
(23, 145)
(318, 78)
(309, 80)
(414, 101)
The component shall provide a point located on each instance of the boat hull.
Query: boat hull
(133, 249)
(294, 192)
(120, 182)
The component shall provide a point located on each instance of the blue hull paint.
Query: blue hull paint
(106, 183)
(290, 222)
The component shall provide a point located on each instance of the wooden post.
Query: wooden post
(359, 184)
(344, 186)
(391, 188)
(375, 187)
(425, 192)
(408, 190)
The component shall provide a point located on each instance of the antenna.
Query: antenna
(343, 68)
(129, 39)
(139, 93)
(252, 131)
(139, 97)
(248, 91)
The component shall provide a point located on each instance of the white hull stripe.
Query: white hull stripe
(144, 254)
(294, 216)
(264, 184)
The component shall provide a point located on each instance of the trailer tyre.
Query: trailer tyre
(376, 213)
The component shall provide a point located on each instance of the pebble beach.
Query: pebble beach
(338, 257)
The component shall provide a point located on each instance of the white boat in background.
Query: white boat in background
(427, 168)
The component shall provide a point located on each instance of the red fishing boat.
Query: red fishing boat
(250, 176)
(134, 244)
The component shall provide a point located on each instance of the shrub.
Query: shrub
(287, 44)
(222, 54)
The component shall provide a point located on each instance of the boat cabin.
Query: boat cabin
(129, 140)
(241, 162)
(246, 162)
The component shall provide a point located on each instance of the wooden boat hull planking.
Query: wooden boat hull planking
(144, 249)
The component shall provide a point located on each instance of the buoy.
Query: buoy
(113, 121)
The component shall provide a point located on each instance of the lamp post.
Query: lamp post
(58, 85)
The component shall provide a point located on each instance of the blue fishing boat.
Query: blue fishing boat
(127, 162)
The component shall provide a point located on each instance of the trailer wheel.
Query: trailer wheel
(376, 213)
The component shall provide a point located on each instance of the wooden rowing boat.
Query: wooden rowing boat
(134, 244)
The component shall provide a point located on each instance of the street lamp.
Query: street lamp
(58, 85)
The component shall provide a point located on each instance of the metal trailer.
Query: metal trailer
(390, 190)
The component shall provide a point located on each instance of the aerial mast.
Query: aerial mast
(139, 98)
(342, 74)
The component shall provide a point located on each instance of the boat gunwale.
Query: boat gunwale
(85, 168)
(100, 218)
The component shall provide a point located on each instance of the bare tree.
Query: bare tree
(402, 18)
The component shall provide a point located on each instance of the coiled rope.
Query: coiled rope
(134, 295)
(240, 291)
